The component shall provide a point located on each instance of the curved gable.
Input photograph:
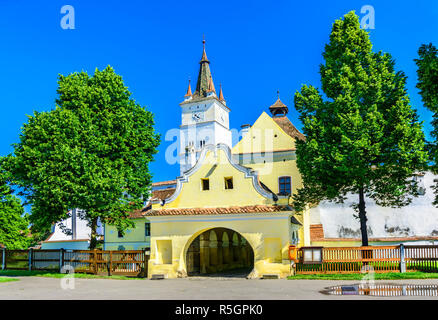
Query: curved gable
(215, 164)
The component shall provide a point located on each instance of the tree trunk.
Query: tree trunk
(93, 239)
(363, 218)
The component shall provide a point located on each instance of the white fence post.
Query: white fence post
(402, 258)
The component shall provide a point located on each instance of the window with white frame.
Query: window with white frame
(312, 255)
(284, 185)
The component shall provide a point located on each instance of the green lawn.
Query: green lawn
(3, 279)
(353, 276)
(48, 274)
(358, 276)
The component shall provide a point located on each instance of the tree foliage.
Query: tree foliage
(91, 152)
(362, 136)
(14, 232)
(427, 72)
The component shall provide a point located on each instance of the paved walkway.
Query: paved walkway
(196, 288)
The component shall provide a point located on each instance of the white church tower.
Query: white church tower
(205, 117)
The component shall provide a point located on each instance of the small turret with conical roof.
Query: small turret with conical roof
(188, 95)
(279, 109)
(221, 95)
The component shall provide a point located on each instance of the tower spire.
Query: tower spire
(211, 87)
(189, 91)
(221, 94)
(204, 54)
(205, 80)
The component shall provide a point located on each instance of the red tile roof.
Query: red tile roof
(162, 194)
(216, 211)
(163, 183)
(139, 213)
(288, 127)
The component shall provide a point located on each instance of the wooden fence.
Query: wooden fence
(380, 259)
(123, 262)
(421, 258)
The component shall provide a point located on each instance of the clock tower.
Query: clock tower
(204, 119)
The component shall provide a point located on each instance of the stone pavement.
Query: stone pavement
(196, 288)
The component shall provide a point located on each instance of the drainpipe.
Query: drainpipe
(306, 226)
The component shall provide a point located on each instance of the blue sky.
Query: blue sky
(255, 49)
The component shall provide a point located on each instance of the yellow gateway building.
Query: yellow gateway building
(231, 206)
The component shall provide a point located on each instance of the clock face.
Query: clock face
(197, 116)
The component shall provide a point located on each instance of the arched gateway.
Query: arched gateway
(219, 218)
(219, 250)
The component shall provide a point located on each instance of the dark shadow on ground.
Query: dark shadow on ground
(235, 273)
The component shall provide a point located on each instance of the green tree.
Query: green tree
(13, 223)
(362, 137)
(91, 152)
(427, 72)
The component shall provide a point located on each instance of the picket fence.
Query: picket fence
(99, 262)
(380, 259)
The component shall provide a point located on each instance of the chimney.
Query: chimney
(244, 129)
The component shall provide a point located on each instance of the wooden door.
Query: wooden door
(193, 258)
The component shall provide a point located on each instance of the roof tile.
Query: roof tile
(289, 128)
(216, 211)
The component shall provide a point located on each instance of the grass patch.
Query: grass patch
(50, 274)
(359, 276)
(3, 279)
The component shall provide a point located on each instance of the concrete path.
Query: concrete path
(197, 288)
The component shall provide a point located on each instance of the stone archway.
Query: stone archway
(219, 251)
